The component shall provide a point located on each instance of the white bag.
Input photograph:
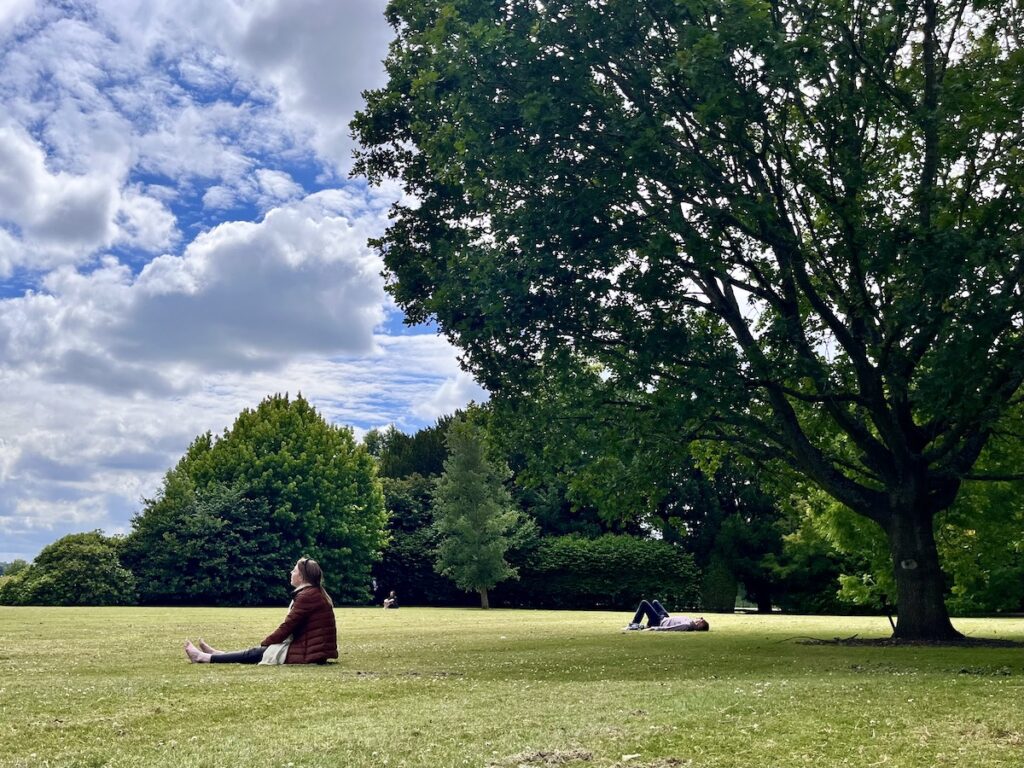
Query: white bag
(276, 653)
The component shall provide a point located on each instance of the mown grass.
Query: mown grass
(451, 687)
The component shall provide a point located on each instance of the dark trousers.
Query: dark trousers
(652, 610)
(250, 656)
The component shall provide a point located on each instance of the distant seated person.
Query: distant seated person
(391, 601)
(659, 619)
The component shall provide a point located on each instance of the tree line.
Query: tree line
(549, 507)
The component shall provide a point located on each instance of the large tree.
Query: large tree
(800, 218)
(279, 484)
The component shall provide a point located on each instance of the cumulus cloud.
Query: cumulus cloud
(12, 12)
(314, 57)
(65, 217)
(266, 188)
(60, 212)
(247, 295)
(244, 295)
(314, 52)
(169, 254)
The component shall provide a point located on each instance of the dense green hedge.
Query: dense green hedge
(612, 572)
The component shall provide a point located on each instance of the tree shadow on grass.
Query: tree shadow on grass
(894, 642)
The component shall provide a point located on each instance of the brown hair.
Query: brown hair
(313, 575)
(701, 625)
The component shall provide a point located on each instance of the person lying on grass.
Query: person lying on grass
(308, 634)
(659, 618)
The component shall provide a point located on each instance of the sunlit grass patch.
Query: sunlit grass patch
(453, 687)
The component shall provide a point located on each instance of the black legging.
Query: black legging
(250, 656)
(654, 612)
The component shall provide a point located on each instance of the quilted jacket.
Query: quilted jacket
(310, 622)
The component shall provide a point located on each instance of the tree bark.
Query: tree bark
(483, 598)
(921, 605)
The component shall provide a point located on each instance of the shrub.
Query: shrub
(611, 571)
(79, 569)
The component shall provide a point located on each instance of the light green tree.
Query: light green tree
(474, 514)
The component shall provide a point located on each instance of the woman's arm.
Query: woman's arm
(302, 607)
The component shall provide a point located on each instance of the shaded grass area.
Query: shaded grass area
(458, 687)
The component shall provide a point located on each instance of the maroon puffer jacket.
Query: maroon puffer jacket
(311, 624)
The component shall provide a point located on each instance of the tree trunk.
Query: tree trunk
(921, 605)
(483, 598)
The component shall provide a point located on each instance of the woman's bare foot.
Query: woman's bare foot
(207, 648)
(195, 655)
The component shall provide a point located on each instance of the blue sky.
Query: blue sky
(179, 238)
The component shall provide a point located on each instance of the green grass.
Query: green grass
(440, 687)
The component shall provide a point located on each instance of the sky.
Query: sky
(179, 238)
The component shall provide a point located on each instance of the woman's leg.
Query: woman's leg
(658, 608)
(646, 609)
(248, 656)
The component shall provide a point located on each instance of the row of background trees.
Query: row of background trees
(548, 507)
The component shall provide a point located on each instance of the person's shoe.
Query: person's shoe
(632, 627)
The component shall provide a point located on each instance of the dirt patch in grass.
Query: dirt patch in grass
(983, 732)
(545, 757)
(1003, 671)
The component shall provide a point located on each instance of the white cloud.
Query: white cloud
(13, 12)
(454, 393)
(10, 253)
(320, 55)
(276, 186)
(265, 187)
(133, 316)
(64, 217)
(242, 296)
(60, 213)
(314, 56)
(145, 222)
(250, 295)
(220, 197)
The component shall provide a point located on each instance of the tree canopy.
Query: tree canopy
(77, 569)
(799, 220)
(240, 508)
(400, 455)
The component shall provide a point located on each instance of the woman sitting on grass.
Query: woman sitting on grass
(308, 634)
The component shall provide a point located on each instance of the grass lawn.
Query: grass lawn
(454, 687)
